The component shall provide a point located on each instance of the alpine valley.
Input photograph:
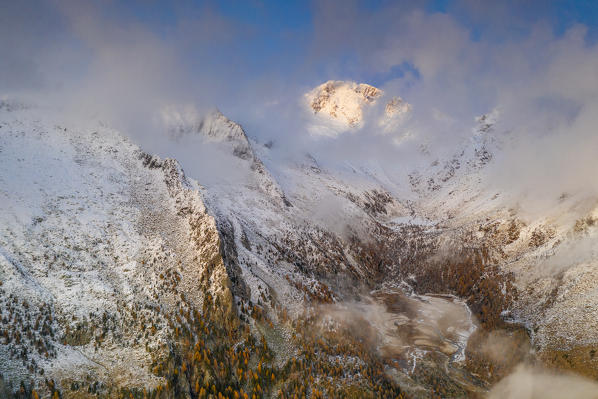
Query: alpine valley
(123, 276)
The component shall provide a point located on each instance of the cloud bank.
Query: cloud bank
(126, 63)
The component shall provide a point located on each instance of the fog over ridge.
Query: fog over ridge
(96, 61)
(532, 79)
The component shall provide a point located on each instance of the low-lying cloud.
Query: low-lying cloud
(397, 326)
(530, 383)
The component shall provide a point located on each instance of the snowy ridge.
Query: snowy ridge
(92, 232)
(217, 129)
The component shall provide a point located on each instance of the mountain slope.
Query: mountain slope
(119, 273)
(99, 242)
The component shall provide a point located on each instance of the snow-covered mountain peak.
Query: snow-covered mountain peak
(396, 106)
(213, 127)
(342, 101)
(181, 121)
(213, 133)
(396, 111)
(344, 105)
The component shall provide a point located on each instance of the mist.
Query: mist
(528, 382)
(402, 326)
(125, 65)
(133, 66)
